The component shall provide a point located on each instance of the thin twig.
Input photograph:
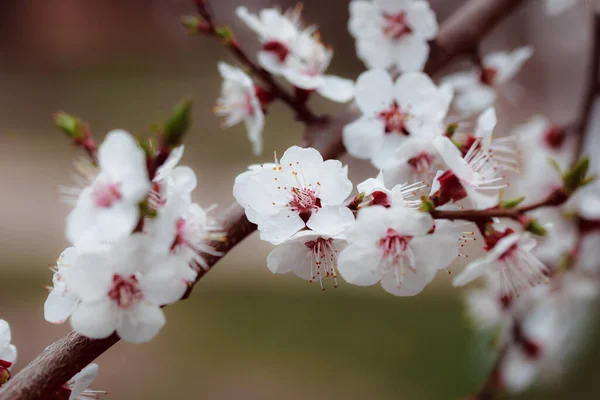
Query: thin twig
(592, 90)
(557, 198)
(63, 359)
(303, 112)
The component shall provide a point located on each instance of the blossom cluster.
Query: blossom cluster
(447, 178)
(440, 157)
(137, 242)
(289, 50)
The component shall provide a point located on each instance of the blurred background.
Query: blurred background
(244, 333)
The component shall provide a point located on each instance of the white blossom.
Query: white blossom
(309, 255)
(295, 53)
(511, 262)
(376, 193)
(391, 112)
(416, 160)
(61, 301)
(108, 208)
(123, 286)
(181, 225)
(539, 142)
(393, 245)
(547, 337)
(302, 191)
(477, 89)
(239, 102)
(8, 351)
(277, 32)
(477, 173)
(392, 33)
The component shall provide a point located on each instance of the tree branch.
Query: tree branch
(593, 86)
(63, 359)
(478, 216)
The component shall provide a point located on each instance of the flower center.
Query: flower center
(304, 201)
(393, 244)
(324, 259)
(395, 119)
(484, 169)
(105, 194)
(279, 49)
(421, 163)
(125, 291)
(487, 76)
(451, 189)
(397, 257)
(396, 25)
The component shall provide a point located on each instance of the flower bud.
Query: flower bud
(533, 226)
(71, 125)
(194, 24)
(511, 203)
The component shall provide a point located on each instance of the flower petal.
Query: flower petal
(330, 220)
(141, 324)
(336, 89)
(422, 19)
(472, 271)
(287, 257)
(364, 137)
(82, 380)
(359, 266)
(280, 226)
(335, 186)
(374, 91)
(411, 53)
(59, 306)
(95, 320)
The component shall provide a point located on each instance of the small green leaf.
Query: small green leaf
(147, 145)
(536, 228)
(512, 203)
(69, 124)
(576, 176)
(177, 124)
(224, 33)
(191, 23)
(451, 129)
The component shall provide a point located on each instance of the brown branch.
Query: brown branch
(481, 216)
(303, 113)
(63, 359)
(592, 89)
(462, 32)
